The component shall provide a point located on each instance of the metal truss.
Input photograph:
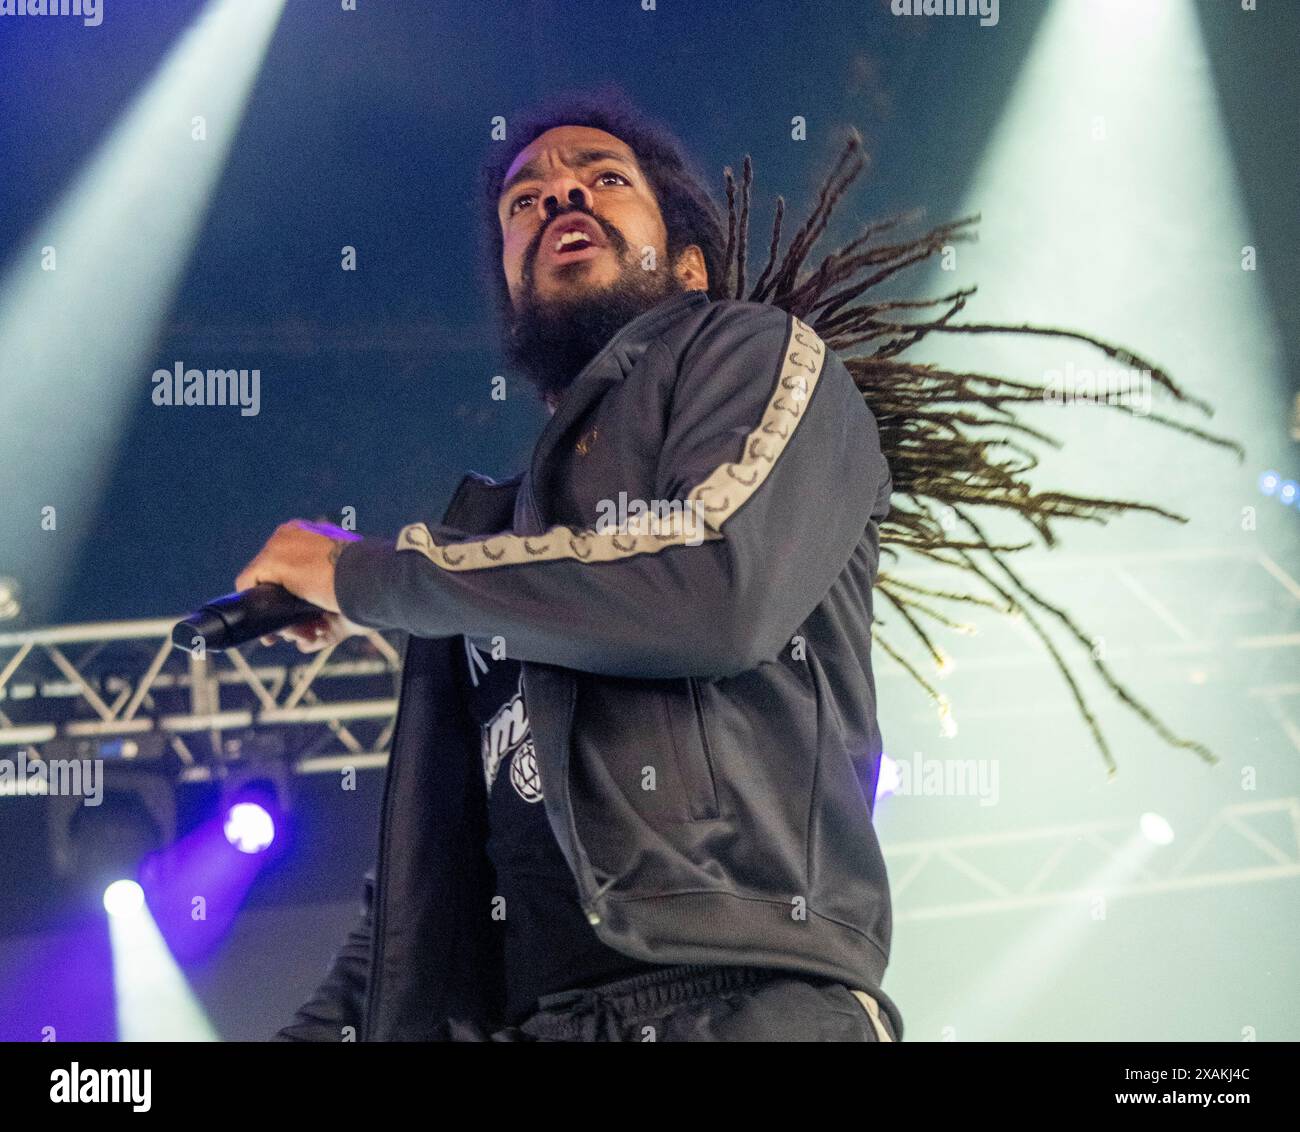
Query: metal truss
(1167, 622)
(1003, 872)
(124, 687)
(124, 683)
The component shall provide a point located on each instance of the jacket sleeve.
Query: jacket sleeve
(339, 1001)
(767, 440)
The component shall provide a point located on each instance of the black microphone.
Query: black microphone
(228, 621)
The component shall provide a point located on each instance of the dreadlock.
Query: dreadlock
(932, 424)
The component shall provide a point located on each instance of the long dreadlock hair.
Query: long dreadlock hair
(933, 422)
(934, 426)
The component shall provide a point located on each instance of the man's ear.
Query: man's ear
(691, 270)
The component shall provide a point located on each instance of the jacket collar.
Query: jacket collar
(479, 502)
(612, 363)
(481, 505)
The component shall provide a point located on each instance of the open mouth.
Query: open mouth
(573, 240)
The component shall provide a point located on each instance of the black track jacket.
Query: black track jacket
(698, 683)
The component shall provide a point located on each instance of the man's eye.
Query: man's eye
(514, 204)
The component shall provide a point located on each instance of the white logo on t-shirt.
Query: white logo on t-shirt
(508, 738)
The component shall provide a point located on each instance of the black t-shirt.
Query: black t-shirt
(549, 945)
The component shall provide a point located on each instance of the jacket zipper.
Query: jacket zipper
(698, 704)
(585, 872)
(584, 866)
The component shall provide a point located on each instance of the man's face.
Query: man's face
(577, 219)
(575, 170)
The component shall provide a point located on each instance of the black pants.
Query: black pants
(701, 1004)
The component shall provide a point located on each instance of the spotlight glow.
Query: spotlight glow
(1112, 116)
(887, 782)
(1288, 492)
(1268, 482)
(1130, 17)
(82, 303)
(153, 1001)
(249, 827)
(123, 898)
(1155, 829)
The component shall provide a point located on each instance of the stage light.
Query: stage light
(1155, 829)
(1130, 17)
(103, 833)
(143, 750)
(123, 898)
(152, 999)
(256, 795)
(10, 605)
(249, 828)
(1288, 492)
(1086, 222)
(887, 782)
(219, 860)
(1268, 482)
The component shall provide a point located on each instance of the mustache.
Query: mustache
(612, 234)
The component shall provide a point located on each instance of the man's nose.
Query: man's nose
(576, 196)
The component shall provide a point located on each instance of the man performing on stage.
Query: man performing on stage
(634, 802)
(631, 784)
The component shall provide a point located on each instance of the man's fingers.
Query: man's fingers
(310, 636)
(247, 578)
(317, 636)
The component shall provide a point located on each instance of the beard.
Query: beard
(551, 340)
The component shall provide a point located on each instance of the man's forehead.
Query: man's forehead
(570, 141)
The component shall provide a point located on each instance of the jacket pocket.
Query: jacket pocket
(690, 739)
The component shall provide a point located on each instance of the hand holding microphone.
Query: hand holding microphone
(287, 589)
(316, 633)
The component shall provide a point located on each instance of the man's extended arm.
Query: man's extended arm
(770, 436)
